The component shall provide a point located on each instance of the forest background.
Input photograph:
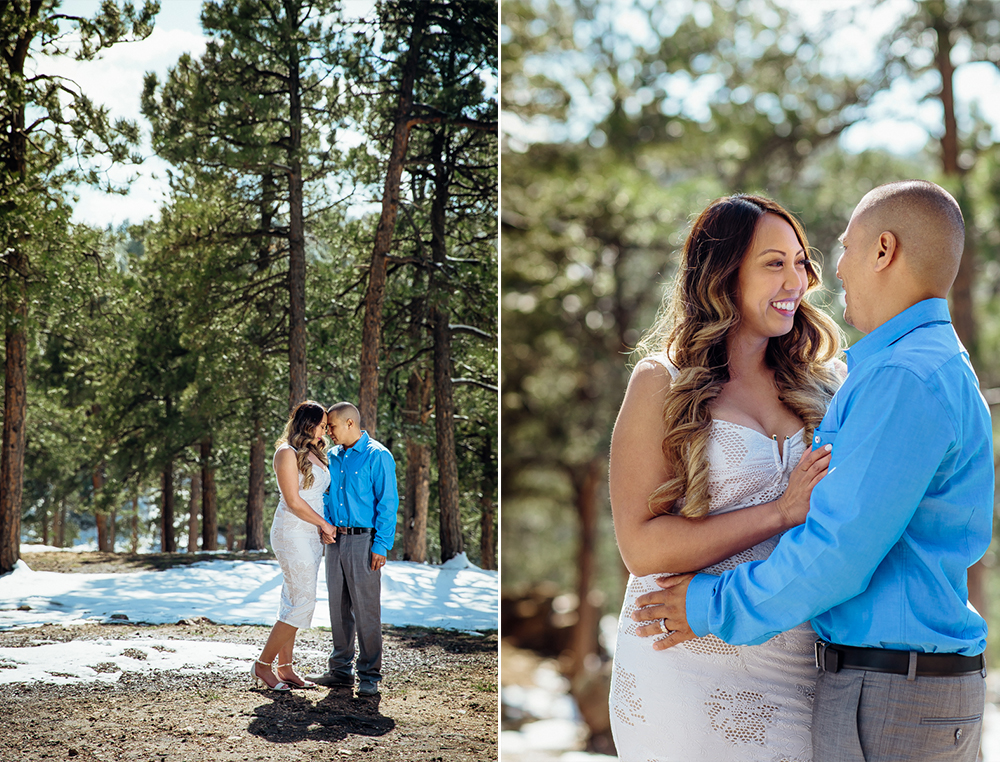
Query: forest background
(150, 365)
(620, 121)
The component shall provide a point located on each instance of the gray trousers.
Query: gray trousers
(355, 606)
(862, 716)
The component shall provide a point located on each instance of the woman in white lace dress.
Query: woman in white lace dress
(709, 463)
(298, 533)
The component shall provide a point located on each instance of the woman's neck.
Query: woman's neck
(746, 357)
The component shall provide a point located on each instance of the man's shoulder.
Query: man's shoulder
(926, 351)
(374, 447)
(380, 449)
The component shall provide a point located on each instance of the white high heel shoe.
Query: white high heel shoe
(258, 681)
(305, 683)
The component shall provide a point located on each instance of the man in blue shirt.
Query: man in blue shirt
(361, 503)
(879, 567)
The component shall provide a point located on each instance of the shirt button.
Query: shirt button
(817, 440)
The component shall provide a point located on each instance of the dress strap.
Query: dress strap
(660, 358)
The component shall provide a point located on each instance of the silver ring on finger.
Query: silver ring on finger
(663, 627)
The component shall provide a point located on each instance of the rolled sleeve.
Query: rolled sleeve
(699, 593)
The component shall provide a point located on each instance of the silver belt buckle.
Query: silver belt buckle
(827, 659)
(820, 652)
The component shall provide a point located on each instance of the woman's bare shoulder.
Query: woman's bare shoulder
(652, 373)
(285, 454)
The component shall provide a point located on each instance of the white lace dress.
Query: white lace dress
(299, 549)
(705, 700)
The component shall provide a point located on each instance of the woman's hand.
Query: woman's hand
(328, 534)
(794, 504)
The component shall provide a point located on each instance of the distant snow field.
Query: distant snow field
(456, 595)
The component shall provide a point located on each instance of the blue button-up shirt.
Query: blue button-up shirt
(905, 508)
(363, 490)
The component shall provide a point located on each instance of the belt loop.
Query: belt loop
(911, 672)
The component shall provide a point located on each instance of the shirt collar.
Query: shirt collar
(361, 444)
(892, 330)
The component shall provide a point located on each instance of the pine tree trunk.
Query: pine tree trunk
(15, 165)
(297, 290)
(101, 520)
(45, 523)
(585, 484)
(452, 542)
(487, 509)
(371, 336)
(135, 522)
(417, 487)
(415, 501)
(209, 513)
(15, 389)
(255, 491)
(167, 544)
(194, 506)
(444, 424)
(104, 544)
(297, 385)
(487, 532)
(60, 530)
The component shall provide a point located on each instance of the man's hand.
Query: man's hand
(328, 534)
(666, 611)
(377, 561)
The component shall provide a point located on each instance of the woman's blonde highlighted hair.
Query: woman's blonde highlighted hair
(298, 433)
(692, 328)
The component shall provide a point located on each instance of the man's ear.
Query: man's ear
(888, 250)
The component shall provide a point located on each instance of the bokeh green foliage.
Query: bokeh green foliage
(624, 121)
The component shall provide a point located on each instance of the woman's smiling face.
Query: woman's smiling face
(772, 279)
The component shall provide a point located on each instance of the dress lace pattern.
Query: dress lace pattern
(706, 700)
(297, 545)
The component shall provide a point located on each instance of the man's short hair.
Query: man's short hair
(927, 201)
(344, 410)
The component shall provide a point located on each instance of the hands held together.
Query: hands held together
(328, 533)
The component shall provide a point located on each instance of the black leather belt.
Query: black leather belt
(831, 657)
(355, 530)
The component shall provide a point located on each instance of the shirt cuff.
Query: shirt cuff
(379, 549)
(697, 602)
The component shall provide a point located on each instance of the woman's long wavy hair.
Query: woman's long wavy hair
(298, 433)
(693, 327)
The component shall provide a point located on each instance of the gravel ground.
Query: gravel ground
(438, 702)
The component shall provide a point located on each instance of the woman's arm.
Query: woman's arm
(287, 469)
(651, 544)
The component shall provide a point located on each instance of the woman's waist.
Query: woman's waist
(315, 506)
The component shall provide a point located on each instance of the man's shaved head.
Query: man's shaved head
(927, 223)
(343, 411)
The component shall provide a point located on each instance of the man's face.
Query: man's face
(854, 268)
(339, 429)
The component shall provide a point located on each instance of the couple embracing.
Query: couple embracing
(340, 503)
(798, 532)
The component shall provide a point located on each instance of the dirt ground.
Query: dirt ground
(438, 702)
